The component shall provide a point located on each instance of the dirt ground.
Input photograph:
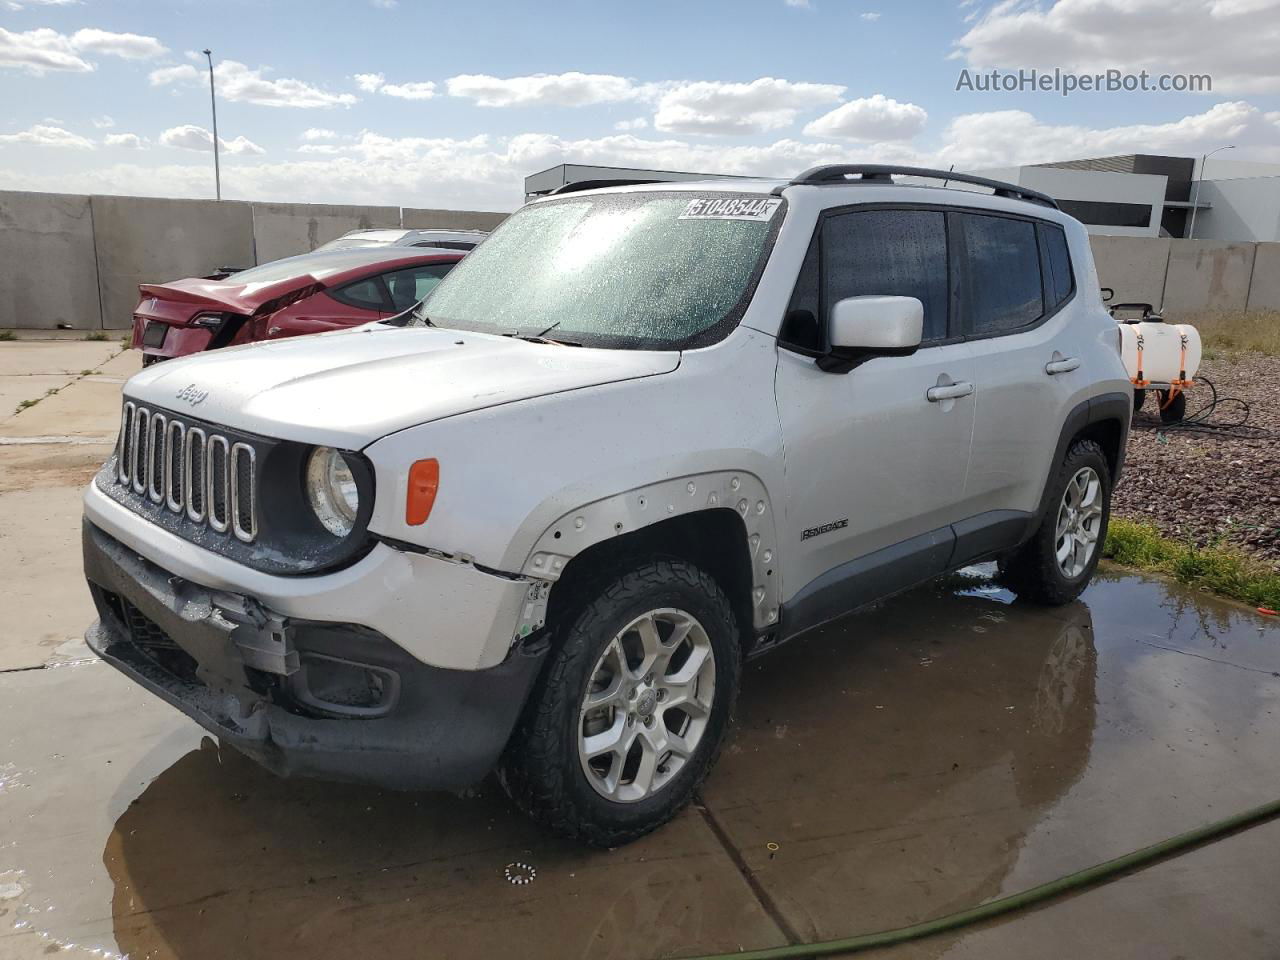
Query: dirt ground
(1212, 483)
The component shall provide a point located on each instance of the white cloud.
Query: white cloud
(715, 107)
(104, 122)
(41, 50)
(639, 123)
(191, 137)
(377, 83)
(17, 5)
(1014, 137)
(562, 89)
(130, 46)
(870, 17)
(410, 91)
(130, 141)
(487, 173)
(239, 83)
(870, 118)
(1233, 40)
(319, 133)
(43, 135)
(799, 3)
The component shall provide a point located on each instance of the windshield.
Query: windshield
(658, 270)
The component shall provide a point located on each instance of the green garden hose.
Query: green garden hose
(1018, 901)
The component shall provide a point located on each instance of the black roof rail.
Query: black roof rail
(838, 173)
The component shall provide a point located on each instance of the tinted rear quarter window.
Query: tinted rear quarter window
(999, 274)
(899, 253)
(1058, 281)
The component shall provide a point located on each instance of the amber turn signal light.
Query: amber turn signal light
(424, 481)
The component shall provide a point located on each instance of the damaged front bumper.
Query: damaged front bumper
(324, 699)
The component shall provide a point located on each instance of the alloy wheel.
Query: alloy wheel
(647, 705)
(1079, 522)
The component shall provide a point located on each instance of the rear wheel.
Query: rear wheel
(1055, 565)
(632, 707)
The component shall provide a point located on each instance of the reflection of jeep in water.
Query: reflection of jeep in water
(638, 434)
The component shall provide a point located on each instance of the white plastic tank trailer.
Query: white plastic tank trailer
(1160, 357)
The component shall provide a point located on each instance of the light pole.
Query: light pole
(213, 106)
(1195, 200)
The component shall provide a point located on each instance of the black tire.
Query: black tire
(1032, 571)
(541, 770)
(1139, 398)
(1172, 411)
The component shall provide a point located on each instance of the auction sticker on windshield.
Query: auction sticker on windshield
(731, 208)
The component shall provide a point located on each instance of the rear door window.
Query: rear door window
(366, 294)
(999, 271)
(407, 287)
(899, 253)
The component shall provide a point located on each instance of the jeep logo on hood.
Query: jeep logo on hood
(192, 395)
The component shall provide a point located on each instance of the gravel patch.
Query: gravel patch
(1206, 485)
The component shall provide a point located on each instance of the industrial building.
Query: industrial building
(1133, 195)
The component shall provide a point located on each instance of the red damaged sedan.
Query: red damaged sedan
(310, 293)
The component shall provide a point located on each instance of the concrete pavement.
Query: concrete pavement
(948, 748)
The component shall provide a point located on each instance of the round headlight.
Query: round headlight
(331, 490)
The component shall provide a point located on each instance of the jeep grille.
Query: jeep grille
(188, 469)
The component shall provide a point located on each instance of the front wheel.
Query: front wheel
(1055, 565)
(632, 708)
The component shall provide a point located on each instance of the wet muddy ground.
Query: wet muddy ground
(948, 748)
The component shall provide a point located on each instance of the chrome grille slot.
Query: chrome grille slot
(196, 472)
(218, 479)
(156, 436)
(138, 456)
(125, 448)
(174, 436)
(193, 479)
(244, 512)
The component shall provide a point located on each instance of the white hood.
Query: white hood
(349, 388)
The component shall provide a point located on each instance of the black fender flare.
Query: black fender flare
(1117, 407)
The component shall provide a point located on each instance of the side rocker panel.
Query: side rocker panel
(642, 506)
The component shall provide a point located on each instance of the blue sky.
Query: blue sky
(424, 102)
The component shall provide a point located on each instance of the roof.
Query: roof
(328, 263)
(544, 181)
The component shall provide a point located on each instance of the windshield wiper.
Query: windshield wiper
(541, 337)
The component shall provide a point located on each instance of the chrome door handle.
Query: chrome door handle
(1061, 366)
(951, 391)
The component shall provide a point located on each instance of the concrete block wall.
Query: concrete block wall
(1208, 275)
(1134, 267)
(151, 240)
(1264, 290)
(48, 274)
(287, 229)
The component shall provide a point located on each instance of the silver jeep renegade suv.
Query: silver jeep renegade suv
(638, 435)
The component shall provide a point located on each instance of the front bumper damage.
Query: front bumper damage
(331, 700)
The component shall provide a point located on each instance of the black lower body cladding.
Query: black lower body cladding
(335, 701)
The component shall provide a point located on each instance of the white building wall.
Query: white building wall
(1096, 185)
(1241, 209)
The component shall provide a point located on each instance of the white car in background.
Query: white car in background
(443, 239)
(640, 434)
